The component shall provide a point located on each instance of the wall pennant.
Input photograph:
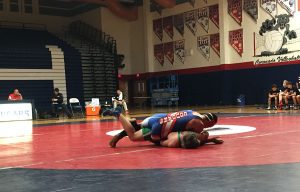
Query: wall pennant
(236, 40)
(203, 19)
(215, 43)
(179, 50)
(155, 7)
(203, 45)
(169, 51)
(235, 10)
(288, 5)
(192, 2)
(270, 6)
(168, 26)
(190, 21)
(159, 53)
(251, 8)
(214, 14)
(158, 28)
(179, 23)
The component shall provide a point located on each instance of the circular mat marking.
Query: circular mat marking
(215, 130)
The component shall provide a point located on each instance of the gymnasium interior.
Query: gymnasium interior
(66, 64)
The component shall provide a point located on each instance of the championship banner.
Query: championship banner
(192, 2)
(235, 10)
(203, 19)
(251, 7)
(179, 50)
(159, 53)
(288, 5)
(158, 28)
(236, 40)
(179, 23)
(214, 14)
(155, 7)
(190, 21)
(168, 26)
(270, 6)
(203, 46)
(215, 43)
(169, 51)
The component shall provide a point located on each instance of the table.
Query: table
(17, 110)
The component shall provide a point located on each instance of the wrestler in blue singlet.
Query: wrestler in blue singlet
(162, 124)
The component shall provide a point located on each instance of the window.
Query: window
(14, 5)
(28, 6)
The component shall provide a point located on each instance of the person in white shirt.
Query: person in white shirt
(119, 100)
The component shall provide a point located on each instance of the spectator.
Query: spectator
(290, 94)
(15, 96)
(119, 100)
(58, 102)
(282, 93)
(273, 96)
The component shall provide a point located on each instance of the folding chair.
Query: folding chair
(75, 105)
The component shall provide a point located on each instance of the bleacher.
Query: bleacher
(27, 64)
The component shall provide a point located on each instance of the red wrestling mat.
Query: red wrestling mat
(85, 146)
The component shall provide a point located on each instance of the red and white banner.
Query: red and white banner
(236, 40)
(203, 19)
(159, 53)
(215, 43)
(214, 14)
(168, 26)
(158, 28)
(235, 10)
(203, 46)
(190, 19)
(270, 6)
(288, 5)
(251, 7)
(169, 51)
(179, 50)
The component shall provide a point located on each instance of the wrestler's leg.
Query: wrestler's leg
(113, 142)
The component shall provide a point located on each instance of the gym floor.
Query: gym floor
(260, 153)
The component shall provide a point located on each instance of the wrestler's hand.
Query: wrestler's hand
(217, 140)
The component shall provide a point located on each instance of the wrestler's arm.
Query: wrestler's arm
(171, 142)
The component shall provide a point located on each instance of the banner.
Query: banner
(203, 19)
(214, 14)
(236, 40)
(179, 50)
(179, 23)
(168, 26)
(288, 5)
(215, 43)
(235, 10)
(158, 28)
(190, 21)
(251, 7)
(159, 53)
(270, 6)
(155, 7)
(192, 2)
(169, 51)
(203, 46)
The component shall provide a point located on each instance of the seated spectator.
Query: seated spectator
(290, 94)
(119, 100)
(15, 96)
(58, 101)
(297, 95)
(282, 93)
(273, 96)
